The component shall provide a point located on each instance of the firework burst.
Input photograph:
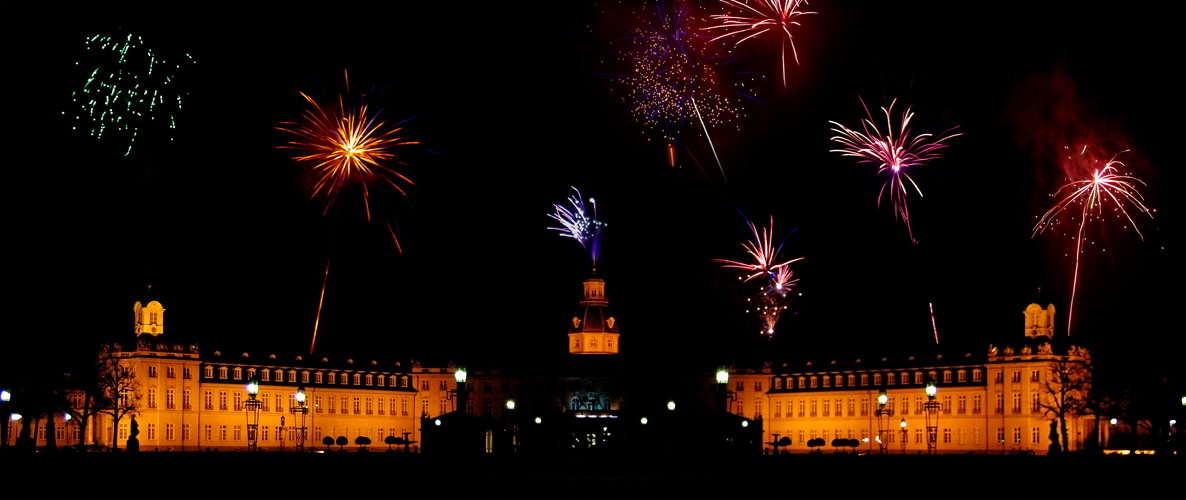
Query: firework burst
(777, 276)
(894, 154)
(128, 87)
(1106, 186)
(673, 81)
(764, 16)
(347, 146)
(576, 224)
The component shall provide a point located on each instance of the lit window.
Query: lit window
(317, 378)
(304, 377)
(814, 381)
(977, 376)
(864, 379)
(827, 381)
(265, 376)
(851, 380)
(333, 378)
(292, 376)
(444, 385)
(382, 380)
(209, 372)
(946, 376)
(876, 379)
(222, 372)
(963, 376)
(918, 378)
(238, 373)
(152, 372)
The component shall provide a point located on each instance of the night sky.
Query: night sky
(513, 104)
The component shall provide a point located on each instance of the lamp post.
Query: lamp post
(66, 424)
(724, 395)
(459, 394)
(252, 407)
(882, 419)
(931, 407)
(904, 435)
(299, 410)
(280, 433)
(514, 424)
(6, 396)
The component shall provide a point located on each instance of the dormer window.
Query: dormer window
(222, 372)
(208, 372)
(333, 378)
(238, 373)
(265, 376)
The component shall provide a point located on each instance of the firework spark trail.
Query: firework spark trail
(778, 274)
(894, 155)
(1105, 184)
(936, 328)
(673, 77)
(346, 146)
(577, 224)
(762, 17)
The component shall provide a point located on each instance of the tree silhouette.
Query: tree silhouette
(342, 441)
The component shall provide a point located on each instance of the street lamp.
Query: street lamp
(299, 410)
(723, 394)
(671, 405)
(883, 415)
(931, 407)
(6, 396)
(904, 435)
(459, 393)
(252, 406)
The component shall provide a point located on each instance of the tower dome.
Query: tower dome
(593, 329)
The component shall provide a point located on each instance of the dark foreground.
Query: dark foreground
(786, 476)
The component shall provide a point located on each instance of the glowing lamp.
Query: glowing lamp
(643, 421)
(882, 399)
(459, 375)
(5, 396)
(723, 376)
(15, 416)
(252, 388)
(931, 389)
(437, 422)
(300, 396)
(538, 420)
(66, 417)
(510, 404)
(903, 424)
(671, 405)
(1113, 421)
(745, 423)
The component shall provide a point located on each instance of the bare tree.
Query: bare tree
(1068, 391)
(117, 390)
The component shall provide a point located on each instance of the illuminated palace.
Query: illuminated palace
(183, 399)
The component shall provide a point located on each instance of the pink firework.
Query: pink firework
(894, 154)
(774, 16)
(765, 256)
(1104, 186)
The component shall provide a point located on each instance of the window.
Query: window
(976, 404)
(977, 376)
(304, 377)
(917, 436)
(345, 409)
(265, 376)
(1017, 435)
(802, 405)
(209, 432)
(403, 381)
(889, 379)
(331, 405)
(947, 436)
(381, 380)
(317, 378)
(1035, 375)
(976, 435)
(918, 378)
(357, 379)
(152, 397)
(444, 385)
(876, 379)
(292, 376)
(168, 432)
(802, 382)
(169, 399)
(238, 432)
(946, 376)
(151, 431)
(1035, 403)
(333, 378)
(152, 372)
(839, 407)
(170, 372)
(184, 432)
(827, 409)
(221, 400)
(238, 373)
(864, 379)
(851, 380)
(279, 402)
(1000, 434)
(740, 385)
(1000, 403)
(963, 376)
(265, 402)
(185, 373)
(424, 406)
(238, 401)
(963, 439)
(1036, 435)
(757, 385)
(380, 405)
(947, 405)
(864, 406)
(741, 407)
(813, 407)
(209, 400)
(890, 405)
(851, 407)
(777, 383)
(999, 378)
(839, 381)
(777, 409)
(403, 407)
(963, 405)
(918, 405)
(263, 433)
(827, 381)
(424, 385)
(1016, 402)
(814, 382)
(444, 407)
(317, 403)
(185, 399)
(370, 406)
(251, 373)
(904, 378)
(209, 372)
(1017, 375)
(222, 372)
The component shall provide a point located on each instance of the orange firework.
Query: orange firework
(346, 146)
